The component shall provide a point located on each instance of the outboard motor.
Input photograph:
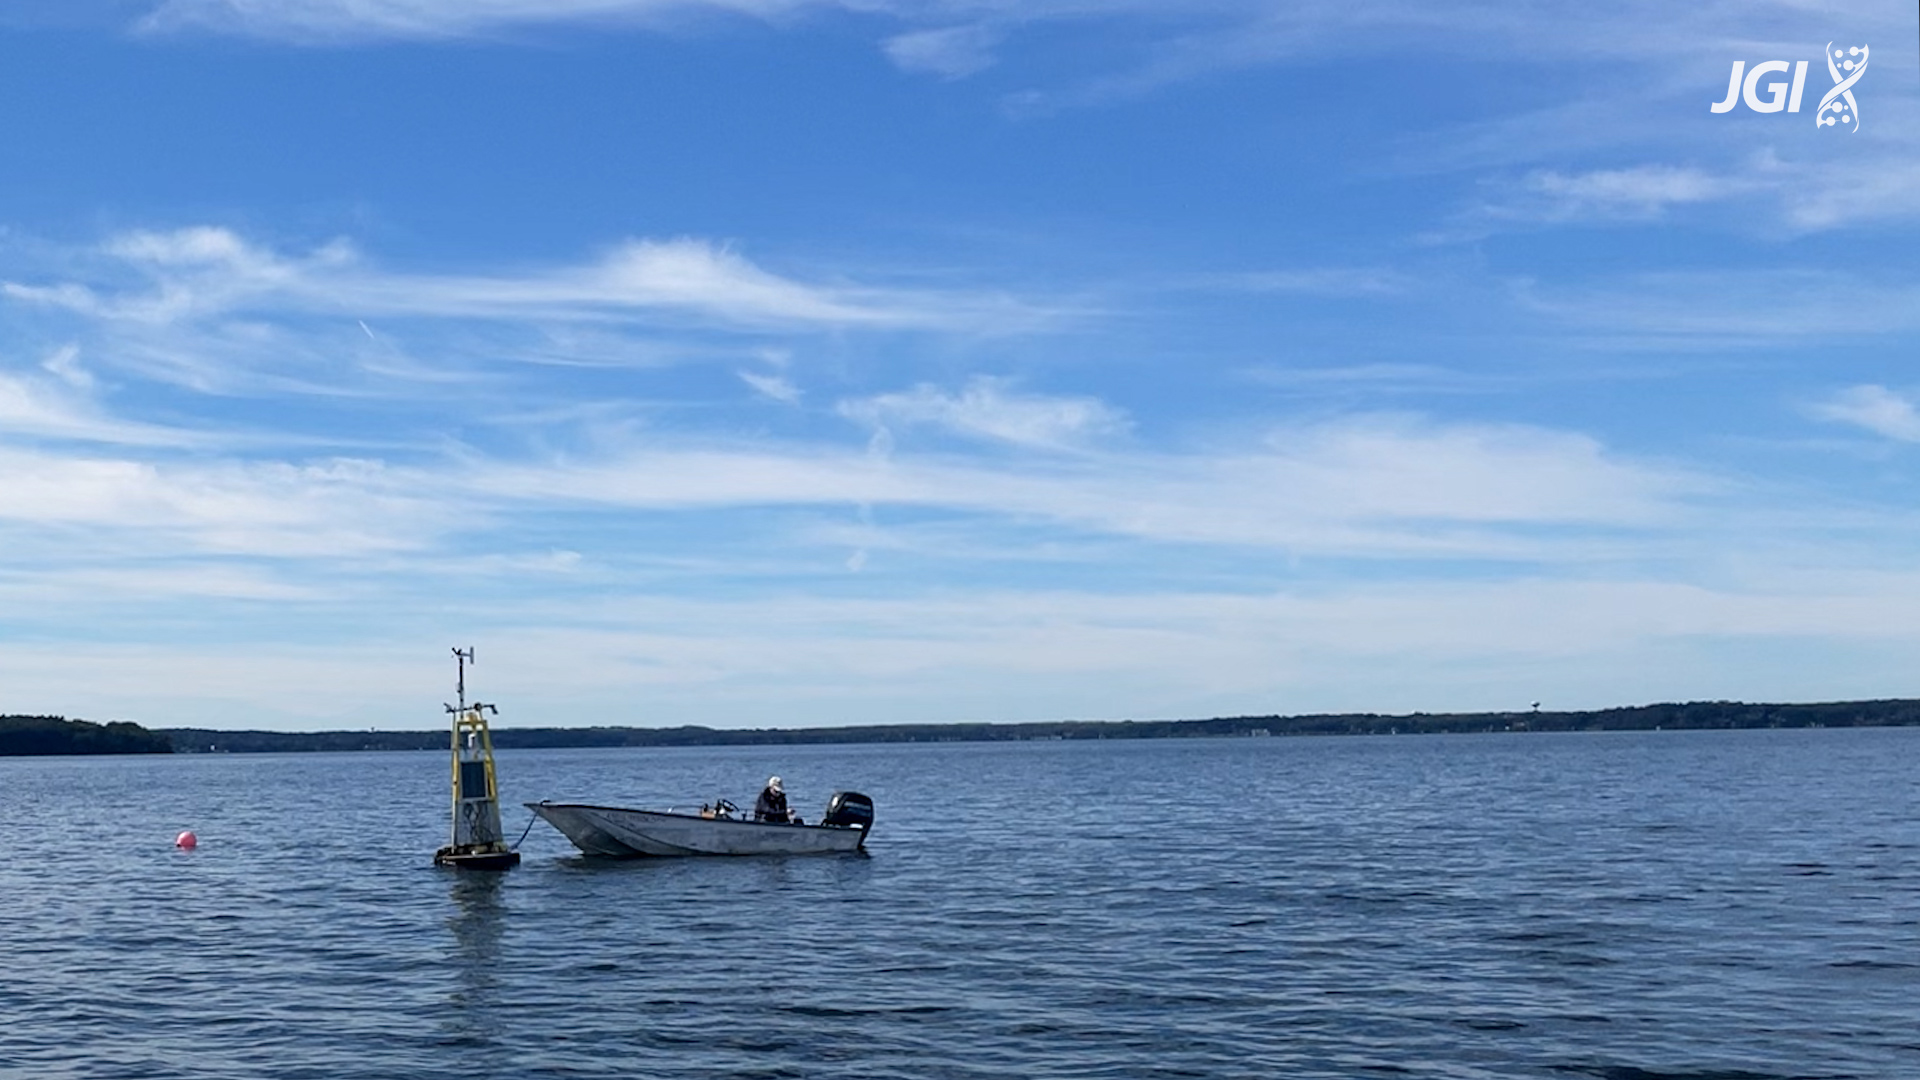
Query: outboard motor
(850, 810)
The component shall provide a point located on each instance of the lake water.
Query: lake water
(1647, 906)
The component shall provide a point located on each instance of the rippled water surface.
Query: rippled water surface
(1697, 906)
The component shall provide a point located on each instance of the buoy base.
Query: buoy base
(487, 857)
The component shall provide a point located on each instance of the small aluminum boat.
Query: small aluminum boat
(619, 833)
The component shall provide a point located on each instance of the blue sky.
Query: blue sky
(799, 362)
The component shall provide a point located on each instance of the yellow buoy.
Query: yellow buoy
(477, 840)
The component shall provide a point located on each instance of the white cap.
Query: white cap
(774, 783)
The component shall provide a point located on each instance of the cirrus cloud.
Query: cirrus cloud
(201, 271)
(1875, 408)
(993, 410)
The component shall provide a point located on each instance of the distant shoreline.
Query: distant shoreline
(37, 736)
(1693, 715)
(42, 735)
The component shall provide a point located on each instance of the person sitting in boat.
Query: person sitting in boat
(772, 804)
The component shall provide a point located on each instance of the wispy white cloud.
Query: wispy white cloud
(698, 276)
(1356, 375)
(157, 579)
(951, 52)
(777, 387)
(325, 509)
(1364, 487)
(1329, 281)
(1377, 487)
(1731, 306)
(1824, 195)
(1184, 41)
(994, 410)
(1639, 193)
(64, 364)
(208, 309)
(1876, 408)
(29, 408)
(204, 271)
(38, 407)
(1003, 654)
(350, 20)
(1761, 193)
(168, 276)
(320, 532)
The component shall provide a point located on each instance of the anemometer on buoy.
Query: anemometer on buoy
(477, 840)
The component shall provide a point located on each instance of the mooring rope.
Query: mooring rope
(531, 818)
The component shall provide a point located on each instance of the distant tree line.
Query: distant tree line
(25, 735)
(1671, 717)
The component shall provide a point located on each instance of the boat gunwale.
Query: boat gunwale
(692, 817)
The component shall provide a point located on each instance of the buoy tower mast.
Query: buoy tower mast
(477, 840)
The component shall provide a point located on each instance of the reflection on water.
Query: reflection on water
(478, 921)
(1473, 908)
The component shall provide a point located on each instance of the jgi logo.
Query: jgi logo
(1837, 107)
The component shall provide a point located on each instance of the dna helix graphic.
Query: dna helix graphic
(1839, 100)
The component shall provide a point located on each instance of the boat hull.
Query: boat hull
(620, 833)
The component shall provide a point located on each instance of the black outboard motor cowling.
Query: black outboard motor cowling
(850, 809)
